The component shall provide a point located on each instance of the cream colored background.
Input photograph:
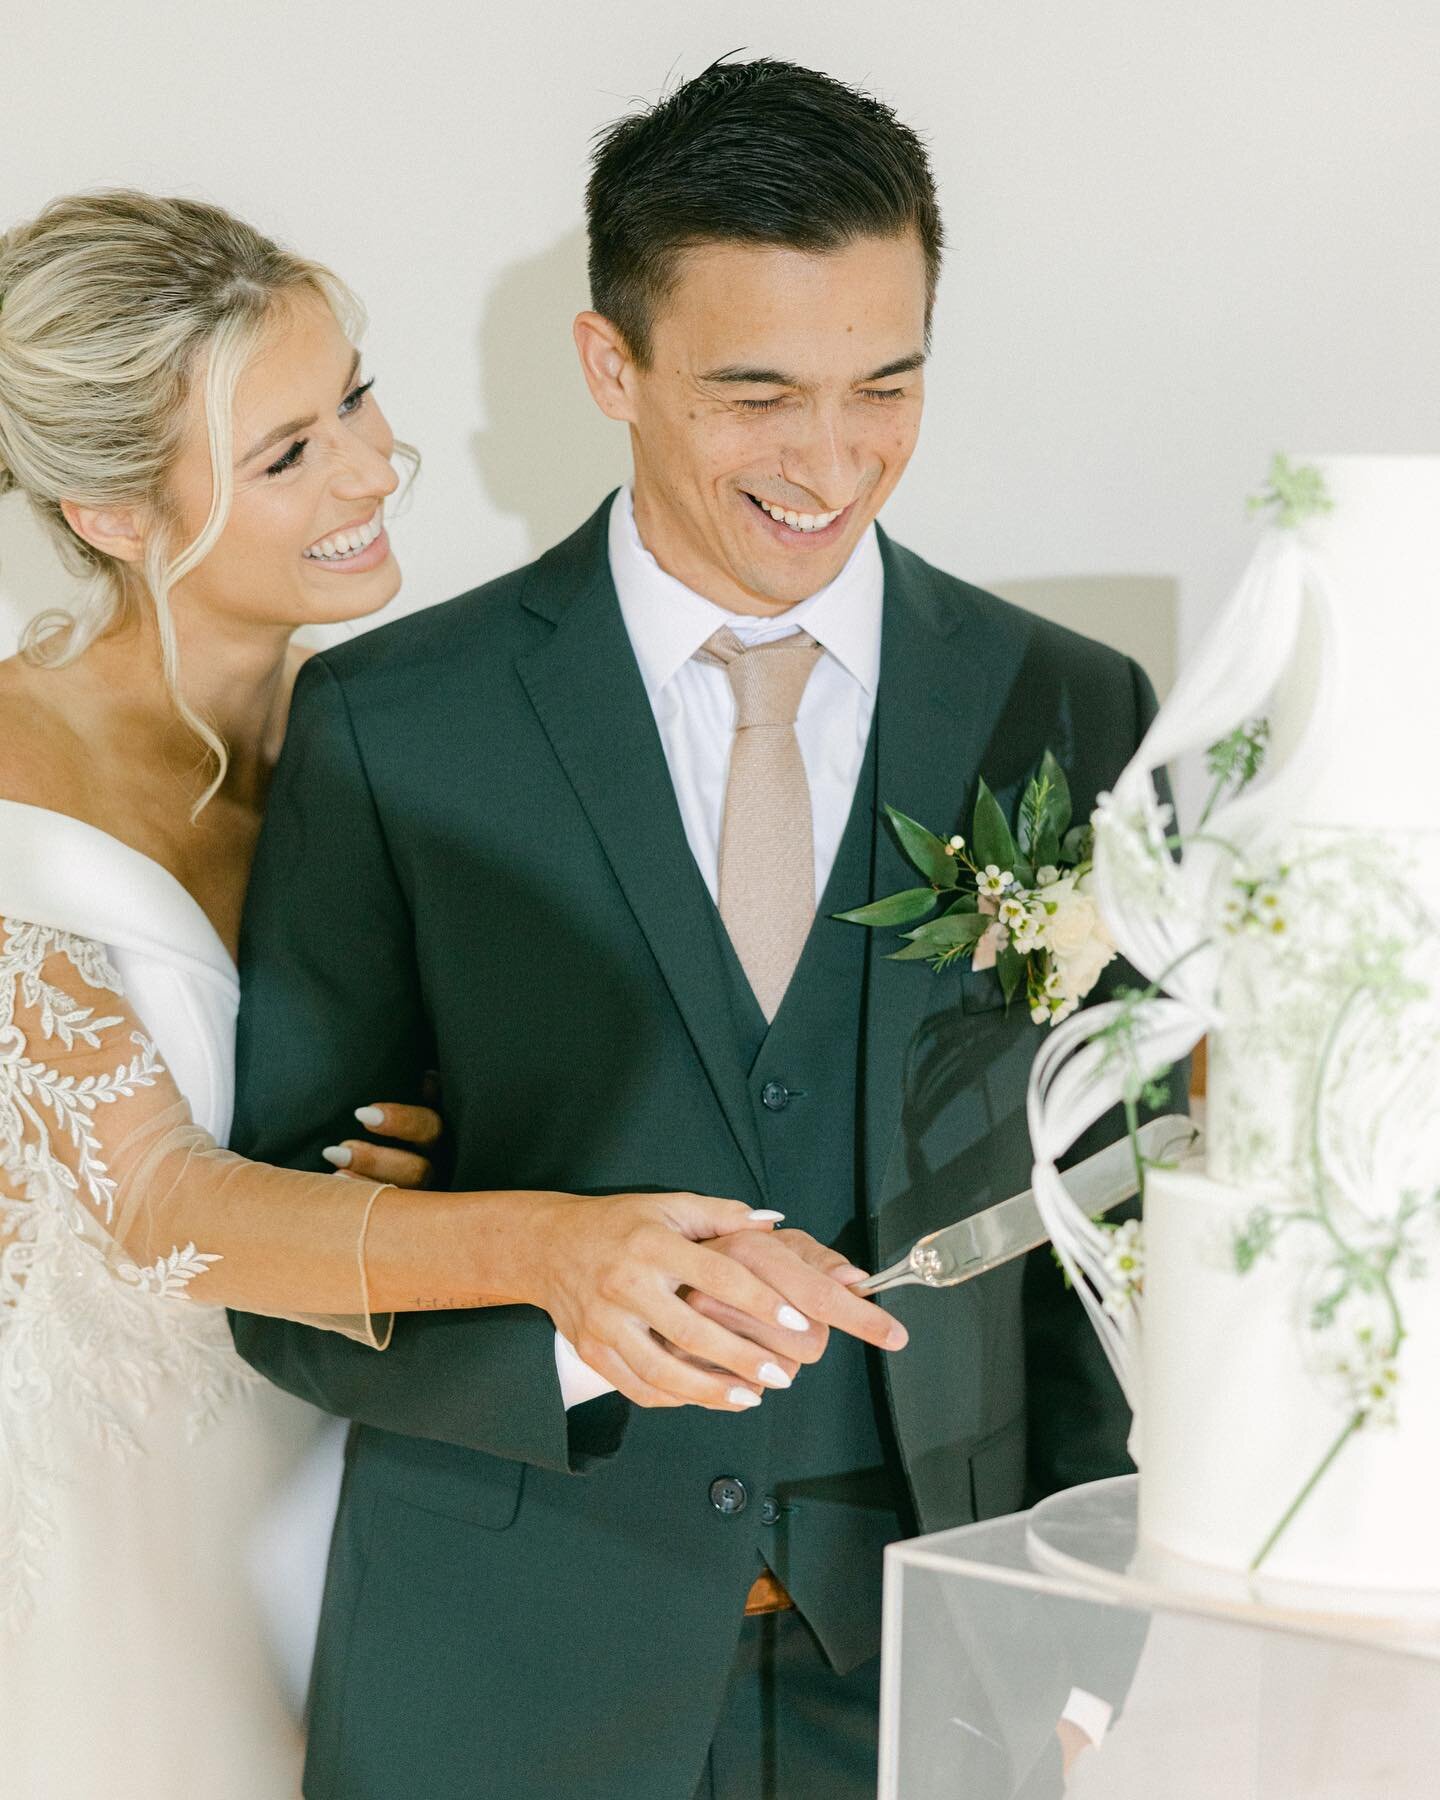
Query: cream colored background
(1181, 236)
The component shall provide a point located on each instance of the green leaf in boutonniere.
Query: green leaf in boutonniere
(947, 937)
(1061, 806)
(895, 909)
(929, 855)
(992, 840)
(1010, 967)
(1044, 817)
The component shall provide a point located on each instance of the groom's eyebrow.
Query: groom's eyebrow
(742, 374)
(291, 426)
(902, 365)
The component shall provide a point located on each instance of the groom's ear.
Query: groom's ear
(608, 365)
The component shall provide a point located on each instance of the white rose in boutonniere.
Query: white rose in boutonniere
(1076, 936)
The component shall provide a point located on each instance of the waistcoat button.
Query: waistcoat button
(769, 1510)
(775, 1095)
(728, 1496)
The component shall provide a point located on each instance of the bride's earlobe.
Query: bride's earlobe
(112, 530)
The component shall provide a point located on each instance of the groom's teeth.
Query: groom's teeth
(798, 521)
(346, 543)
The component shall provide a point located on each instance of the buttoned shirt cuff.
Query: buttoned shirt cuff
(1087, 1712)
(578, 1381)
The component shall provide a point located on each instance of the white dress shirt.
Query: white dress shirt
(694, 709)
(694, 704)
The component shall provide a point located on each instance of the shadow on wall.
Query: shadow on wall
(32, 577)
(1137, 614)
(546, 454)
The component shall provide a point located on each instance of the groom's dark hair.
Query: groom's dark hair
(762, 152)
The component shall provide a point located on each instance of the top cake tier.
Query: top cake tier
(1379, 550)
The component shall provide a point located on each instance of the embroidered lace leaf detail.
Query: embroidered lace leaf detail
(168, 1276)
(82, 1338)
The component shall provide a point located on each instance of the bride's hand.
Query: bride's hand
(420, 1126)
(610, 1271)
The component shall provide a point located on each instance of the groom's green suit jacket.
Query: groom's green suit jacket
(473, 861)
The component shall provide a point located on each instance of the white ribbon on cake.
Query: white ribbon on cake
(1163, 909)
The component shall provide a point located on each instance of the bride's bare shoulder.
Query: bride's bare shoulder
(41, 760)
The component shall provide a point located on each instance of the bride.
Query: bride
(182, 406)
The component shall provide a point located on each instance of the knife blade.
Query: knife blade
(1010, 1228)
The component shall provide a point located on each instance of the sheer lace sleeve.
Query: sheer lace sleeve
(91, 1121)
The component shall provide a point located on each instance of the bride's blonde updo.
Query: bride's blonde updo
(111, 305)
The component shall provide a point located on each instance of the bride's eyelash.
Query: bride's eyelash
(352, 403)
(289, 459)
(355, 399)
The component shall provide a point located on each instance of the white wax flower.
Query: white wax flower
(995, 880)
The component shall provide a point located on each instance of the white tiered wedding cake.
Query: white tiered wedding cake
(1283, 1348)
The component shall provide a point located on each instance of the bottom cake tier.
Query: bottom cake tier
(1248, 1410)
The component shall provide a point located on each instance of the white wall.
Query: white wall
(1181, 236)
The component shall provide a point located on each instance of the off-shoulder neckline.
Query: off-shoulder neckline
(216, 952)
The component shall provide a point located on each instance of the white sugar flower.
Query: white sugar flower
(1040, 1013)
(1045, 876)
(1012, 912)
(955, 844)
(1371, 1376)
(1124, 1266)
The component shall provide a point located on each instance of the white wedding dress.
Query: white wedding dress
(144, 1469)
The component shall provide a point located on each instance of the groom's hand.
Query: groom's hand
(816, 1281)
(614, 1271)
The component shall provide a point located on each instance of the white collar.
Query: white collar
(668, 622)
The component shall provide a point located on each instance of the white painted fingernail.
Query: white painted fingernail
(792, 1320)
(337, 1154)
(371, 1117)
(743, 1397)
(766, 1214)
(773, 1375)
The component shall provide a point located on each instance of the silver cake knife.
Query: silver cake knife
(1011, 1227)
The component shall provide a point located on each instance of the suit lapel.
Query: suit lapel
(947, 670)
(587, 691)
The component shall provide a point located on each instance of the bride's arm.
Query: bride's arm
(91, 1121)
(89, 1111)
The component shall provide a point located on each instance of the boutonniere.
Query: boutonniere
(1014, 900)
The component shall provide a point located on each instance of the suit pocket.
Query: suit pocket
(997, 1470)
(444, 1479)
(425, 1703)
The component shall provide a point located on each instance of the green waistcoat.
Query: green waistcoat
(833, 1496)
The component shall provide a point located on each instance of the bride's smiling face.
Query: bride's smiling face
(305, 540)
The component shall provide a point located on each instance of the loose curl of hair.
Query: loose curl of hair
(112, 305)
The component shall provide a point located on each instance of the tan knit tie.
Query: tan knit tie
(767, 837)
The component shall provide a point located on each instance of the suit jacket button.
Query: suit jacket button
(728, 1496)
(775, 1095)
(769, 1510)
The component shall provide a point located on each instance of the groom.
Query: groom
(577, 840)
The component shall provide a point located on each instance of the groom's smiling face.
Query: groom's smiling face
(779, 405)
